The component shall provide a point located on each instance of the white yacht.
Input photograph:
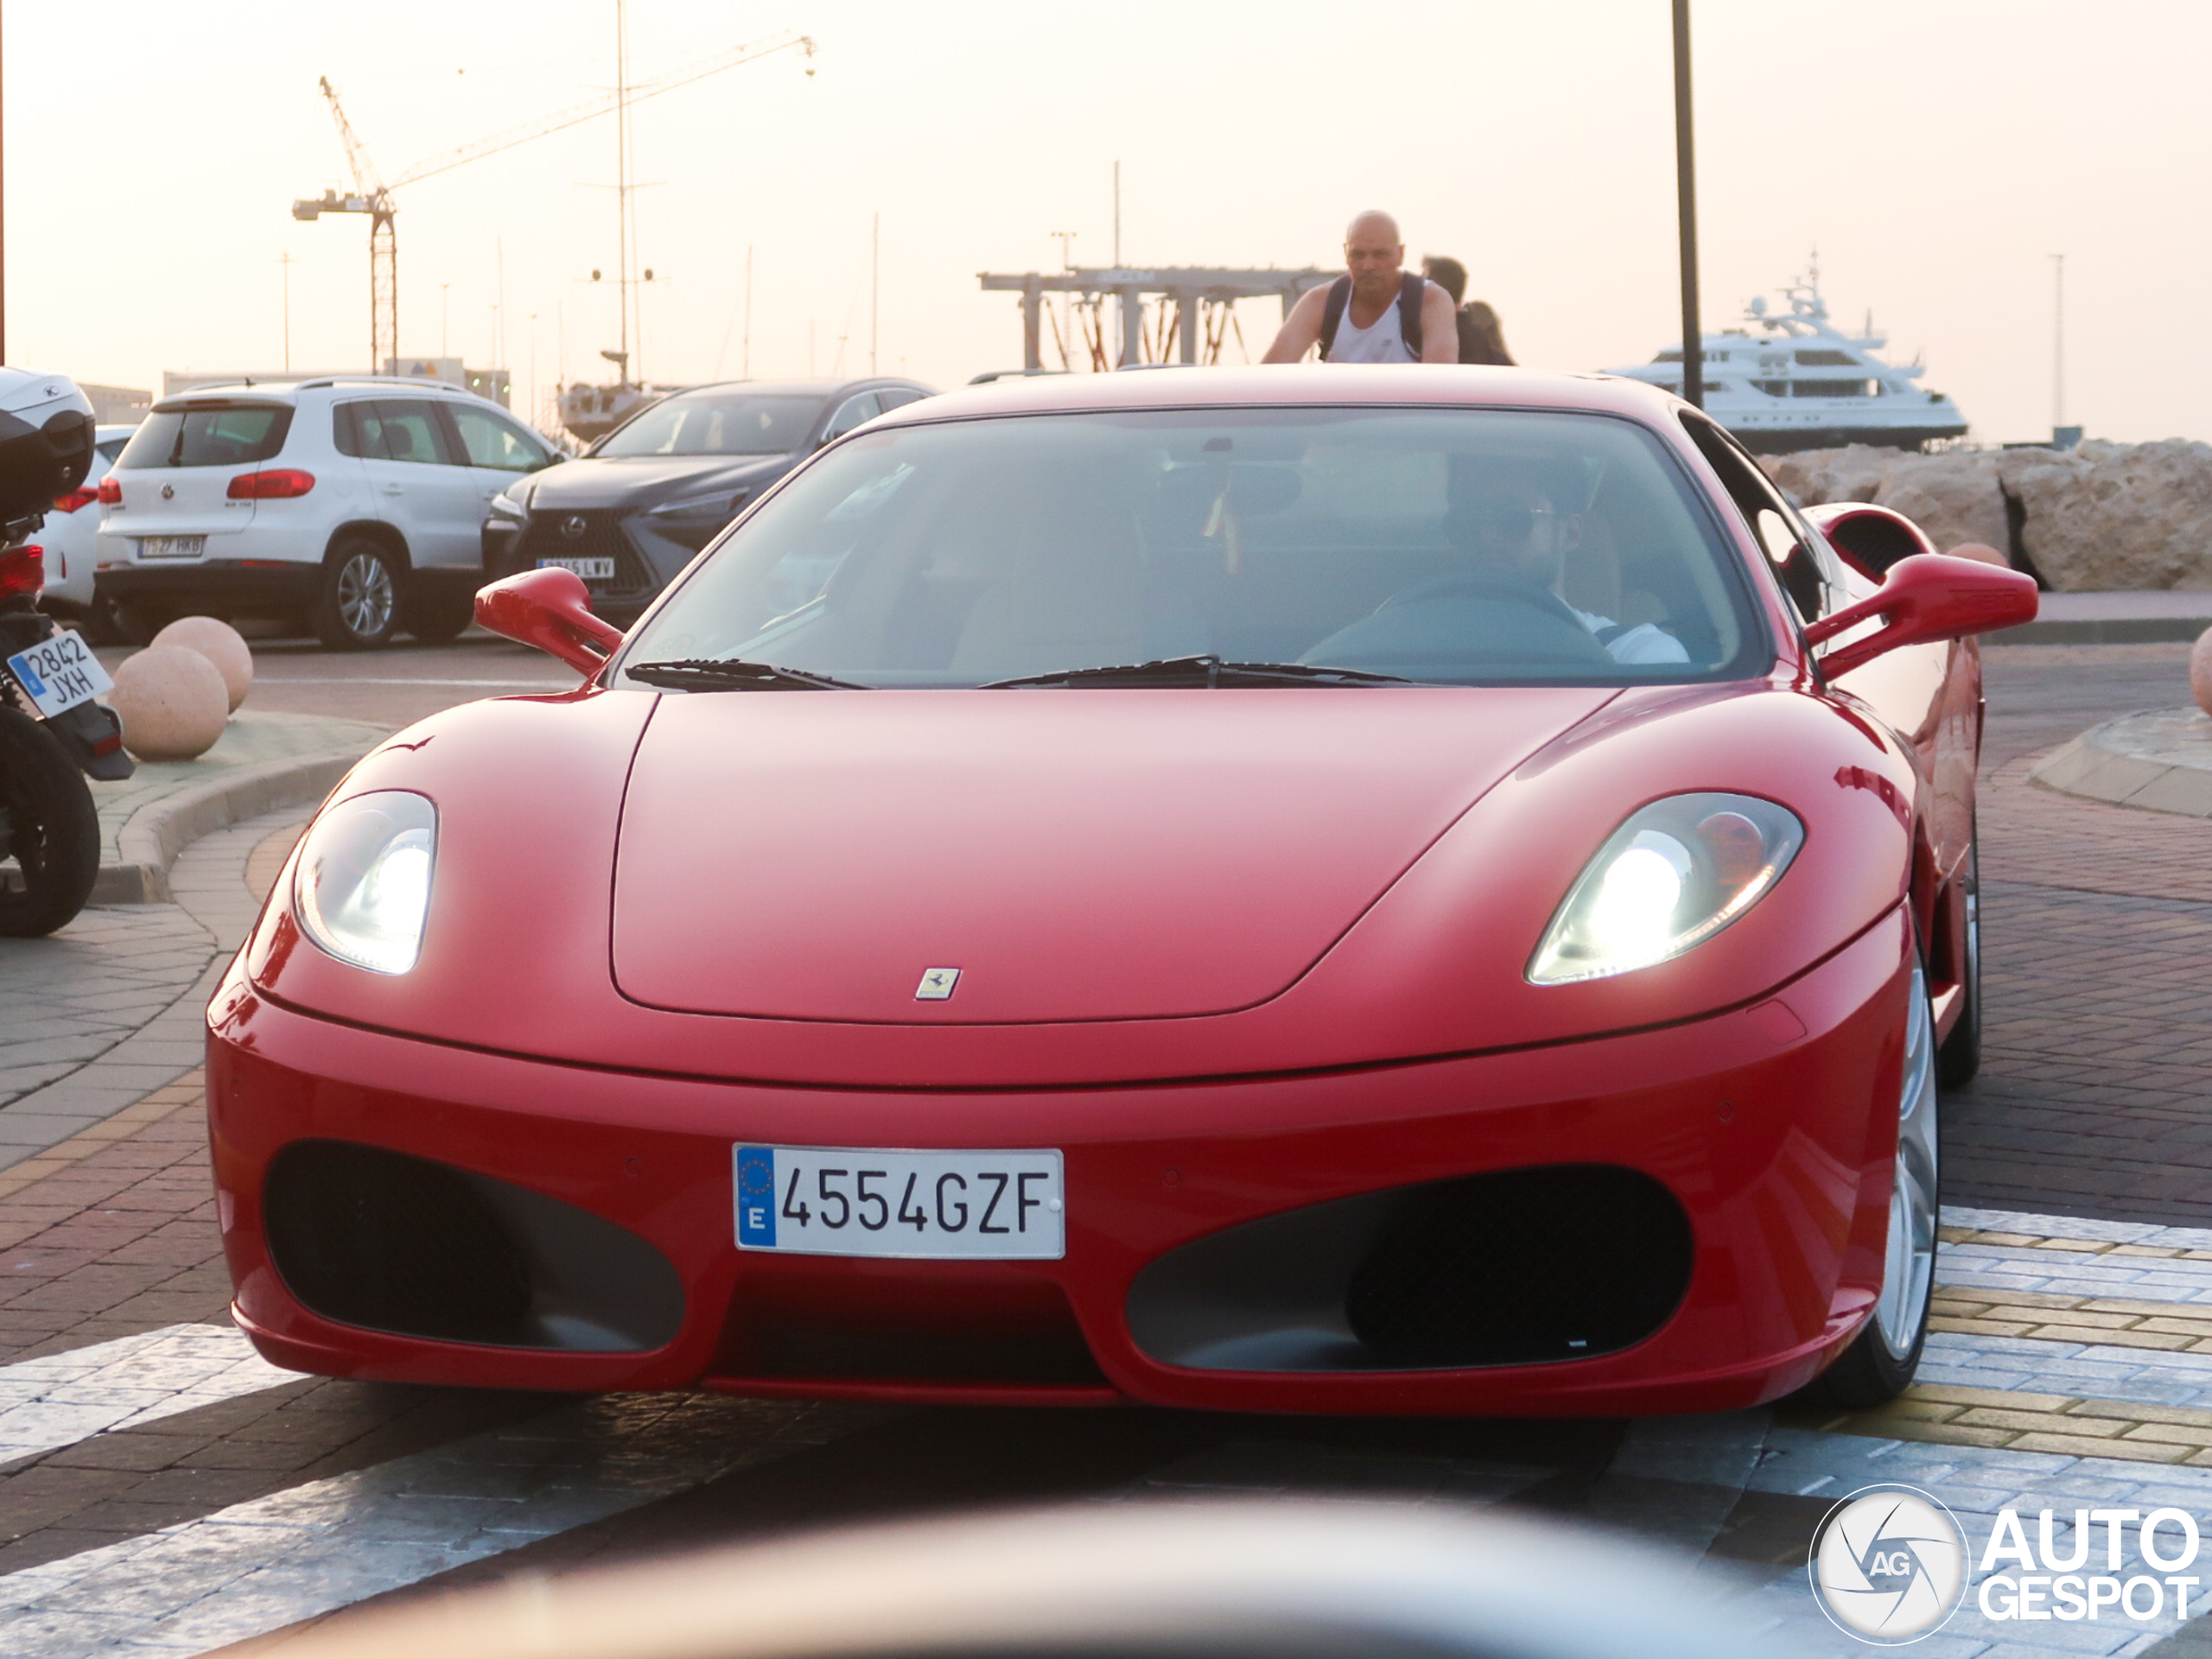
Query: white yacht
(1797, 383)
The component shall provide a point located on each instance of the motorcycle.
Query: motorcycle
(52, 734)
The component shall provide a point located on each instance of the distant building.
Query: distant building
(485, 383)
(117, 406)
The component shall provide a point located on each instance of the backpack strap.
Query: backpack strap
(1332, 313)
(1413, 291)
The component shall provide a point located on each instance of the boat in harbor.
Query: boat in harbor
(1789, 379)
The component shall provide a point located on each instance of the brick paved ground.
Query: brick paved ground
(2097, 929)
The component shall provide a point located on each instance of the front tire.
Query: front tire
(49, 831)
(358, 608)
(1879, 1364)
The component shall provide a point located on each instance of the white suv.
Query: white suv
(354, 505)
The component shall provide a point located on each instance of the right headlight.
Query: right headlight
(362, 886)
(1675, 874)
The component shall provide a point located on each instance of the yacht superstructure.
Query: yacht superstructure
(1801, 383)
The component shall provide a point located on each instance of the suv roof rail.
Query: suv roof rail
(382, 380)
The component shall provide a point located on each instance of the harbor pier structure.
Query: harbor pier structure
(1190, 289)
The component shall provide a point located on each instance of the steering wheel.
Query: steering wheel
(1511, 623)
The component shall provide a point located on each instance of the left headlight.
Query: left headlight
(1675, 874)
(362, 886)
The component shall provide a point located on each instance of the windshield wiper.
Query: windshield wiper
(731, 674)
(1205, 669)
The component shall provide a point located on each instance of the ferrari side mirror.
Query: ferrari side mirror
(1928, 597)
(549, 609)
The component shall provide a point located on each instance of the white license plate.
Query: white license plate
(60, 673)
(862, 1201)
(589, 569)
(172, 547)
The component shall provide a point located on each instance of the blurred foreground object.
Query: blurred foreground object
(2200, 671)
(1312, 1579)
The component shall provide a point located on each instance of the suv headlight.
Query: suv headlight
(362, 886)
(718, 507)
(1675, 874)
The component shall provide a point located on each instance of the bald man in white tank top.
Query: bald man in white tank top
(1371, 328)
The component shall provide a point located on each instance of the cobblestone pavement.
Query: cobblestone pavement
(162, 1491)
(109, 1009)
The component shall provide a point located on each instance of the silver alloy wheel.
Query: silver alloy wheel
(365, 598)
(1909, 1270)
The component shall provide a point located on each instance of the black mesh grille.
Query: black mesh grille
(1523, 1266)
(547, 537)
(377, 1238)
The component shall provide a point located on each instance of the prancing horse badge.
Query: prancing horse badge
(936, 984)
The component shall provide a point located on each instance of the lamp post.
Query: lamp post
(1686, 210)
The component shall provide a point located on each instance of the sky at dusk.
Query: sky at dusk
(1936, 152)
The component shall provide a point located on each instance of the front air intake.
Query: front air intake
(1523, 1266)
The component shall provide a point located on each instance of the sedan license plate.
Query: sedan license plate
(60, 673)
(589, 569)
(853, 1201)
(172, 547)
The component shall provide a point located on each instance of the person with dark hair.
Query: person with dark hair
(1523, 518)
(1482, 340)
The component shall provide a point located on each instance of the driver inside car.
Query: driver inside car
(1523, 520)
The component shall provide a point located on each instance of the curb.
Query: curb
(2095, 771)
(152, 837)
(2109, 630)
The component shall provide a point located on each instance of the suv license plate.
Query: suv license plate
(853, 1201)
(60, 673)
(172, 547)
(589, 569)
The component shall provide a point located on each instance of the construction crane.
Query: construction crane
(371, 196)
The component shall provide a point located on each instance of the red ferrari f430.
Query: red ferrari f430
(1411, 890)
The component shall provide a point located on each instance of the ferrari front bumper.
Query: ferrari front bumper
(1216, 1228)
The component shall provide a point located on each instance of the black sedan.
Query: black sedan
(640, 503)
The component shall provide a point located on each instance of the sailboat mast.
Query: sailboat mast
(623, 228)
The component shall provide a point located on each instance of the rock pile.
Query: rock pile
(2106, 516)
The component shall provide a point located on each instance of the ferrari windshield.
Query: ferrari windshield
(1438, 545)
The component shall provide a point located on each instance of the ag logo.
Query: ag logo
(1889, 1565)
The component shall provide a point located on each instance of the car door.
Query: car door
(497, 450)
(417, 478)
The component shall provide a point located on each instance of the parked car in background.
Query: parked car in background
(70, 535)
(644, 499)
(352, 507)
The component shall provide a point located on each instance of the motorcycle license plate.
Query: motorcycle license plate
(589, 569)
(172, 547)
(60, 673)
(864, 1201)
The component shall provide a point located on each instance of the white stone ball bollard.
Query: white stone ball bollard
(172, 701)
(222, 644)
(2200, 671)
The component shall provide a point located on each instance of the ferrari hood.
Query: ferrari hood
(1074, 854)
